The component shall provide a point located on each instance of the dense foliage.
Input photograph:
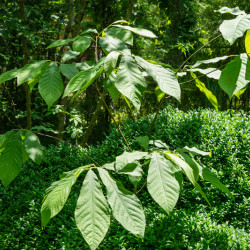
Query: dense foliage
(191, 225)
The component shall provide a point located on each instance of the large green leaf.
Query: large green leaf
(6, 76)
(191, 171)
(234, 11)
(51, 84)
(83, 79)
(202, 87)
(61, 42)
(126, 207)
(127, 158)
(143, 141)
(121, 34)
(57, 195)
(213, 60)
(82, 43)
(111, 61)
(161, 183)
(69, 55)
(68, 70)
(10, 158)
(235, 28)
(165, 78)
(130, 81)
(4, 138)
(138, 31)
(209, 72)
(29, 71)
(92, 212)
(109, 84)
(247, 42)
(33, 147)
(233, 76)
(109, 43)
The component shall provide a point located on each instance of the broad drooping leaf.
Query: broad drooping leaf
(247, 42)
(130, 81)
(121, 34)
(165, 78)
(213, 60)
(6, 76)
(209, 72)
(61, 42)
(29, 71)
(51, 84)
(82, 43)
(202, 87)
(235, 28)
(68, 70)
(138, 31)
(4, 139)
(109, 84)
(143, 141)
(33, 147)
(83, 79)
(161, 182)
(109, 44)
(234, 11)
(126, 207)
(193, 151)
(111, 61)
(92, 211)
(10, 158)
(192, 172)
(233, 76)
(69, 55)
(127, 158)
(57, 195)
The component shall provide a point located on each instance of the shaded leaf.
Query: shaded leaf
(61, 42)
(68, 70)
(69, 55)
(6, 76)
(82, 43)
(121, 34)
(111, 61)
(143, 141)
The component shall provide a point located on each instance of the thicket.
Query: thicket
(192, 224)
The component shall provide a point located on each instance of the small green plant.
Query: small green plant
(121, 73)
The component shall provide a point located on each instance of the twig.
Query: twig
(142, 187)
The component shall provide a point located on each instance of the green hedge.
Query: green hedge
(191, 225)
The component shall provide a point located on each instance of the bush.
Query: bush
(191, 225)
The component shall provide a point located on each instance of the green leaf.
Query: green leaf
(111, 61)
(120, 34)
(143, 141)
(92, 212)
(247, 42)
(68, 70)
(4, 138)
(209, 72)
(202, 87)
(85, 65)
(213, 60)
(69, 55)
(159, 94)
(29, 71)
(51, 84)
(127, 158)
(159, 144)
(240, 92)
(191, 172)
(57, 195)
(161, 183)
(129, 80)
(38, 75)
(233, 76)
(6, 76)
(234, 11)
(82, 43)
(61, 42)
(109, 44)
(109, 84)
(193, 151)
(235, 28)
(199, 189)
(165, 78)
(138, 31)
(33, 147)
(83, 79)
(10, 158)
(87, 31)
(126, 207)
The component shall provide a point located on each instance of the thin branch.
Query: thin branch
(142, 187)
(77, 147)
